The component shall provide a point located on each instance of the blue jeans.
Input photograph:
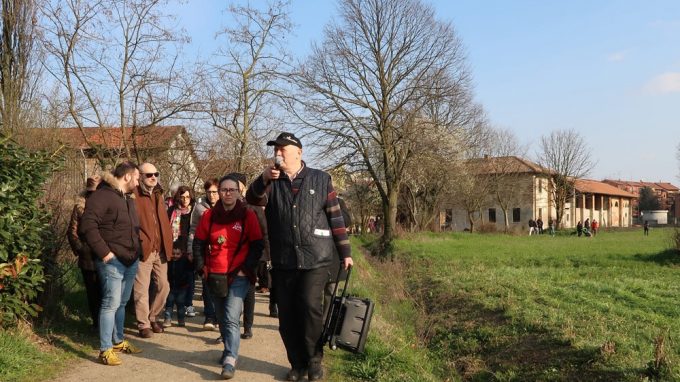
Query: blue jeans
(229, 316)
(116, 280)
(176, 296)
(208, 304)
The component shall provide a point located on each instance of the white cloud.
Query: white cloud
(617, 56)
(664, 83)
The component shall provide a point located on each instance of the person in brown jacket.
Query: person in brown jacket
(84, 253)
(156, 238)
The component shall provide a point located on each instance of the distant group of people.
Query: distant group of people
(536, 227)
(286, 233)
(587, 228)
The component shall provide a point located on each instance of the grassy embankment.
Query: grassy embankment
(38, 353)
(494, 307)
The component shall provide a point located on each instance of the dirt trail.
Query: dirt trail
(191, 354)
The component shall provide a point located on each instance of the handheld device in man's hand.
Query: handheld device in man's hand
(277, 162)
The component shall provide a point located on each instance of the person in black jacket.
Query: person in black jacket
(306, 230)
(86, 263)
(110, 226)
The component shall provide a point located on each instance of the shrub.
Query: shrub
(23, 229)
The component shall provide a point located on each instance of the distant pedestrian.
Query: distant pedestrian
(594, 226)
(646, 227)
(86, 259)
(539, 226)
(551, 227)
(532, 227)
(579, 228)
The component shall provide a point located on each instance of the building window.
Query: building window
(540, 186)
(540, 213)
(492, 215)
(616, 204)
(516, 215)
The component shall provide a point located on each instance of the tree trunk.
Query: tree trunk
(389, 224)
(505, 219)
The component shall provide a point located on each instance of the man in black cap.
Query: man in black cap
(306, 230)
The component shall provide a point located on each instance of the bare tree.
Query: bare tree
(118, 62)
(505, 172)
(242, 84)
(367, 86)
(18, 54)
(567, 156)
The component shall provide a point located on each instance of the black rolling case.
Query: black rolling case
(348, 320)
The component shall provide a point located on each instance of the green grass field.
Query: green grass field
(498, 307)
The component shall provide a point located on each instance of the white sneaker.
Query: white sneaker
(190, 311)
(208, 324)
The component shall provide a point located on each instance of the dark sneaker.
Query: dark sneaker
(156, 327)
(295, 375)
(228, 371)
(247, 334)
(315, 371)
(190, 311)
(145, 333)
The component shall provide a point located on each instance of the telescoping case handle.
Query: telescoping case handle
(330, 333)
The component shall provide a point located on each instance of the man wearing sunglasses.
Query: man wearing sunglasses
(156, 238)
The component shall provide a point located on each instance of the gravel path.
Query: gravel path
(191, 354)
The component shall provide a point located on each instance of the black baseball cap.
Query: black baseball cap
(285, 139)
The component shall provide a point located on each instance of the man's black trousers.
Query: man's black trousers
(299, 295)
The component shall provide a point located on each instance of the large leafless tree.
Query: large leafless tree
(243, 81)
(368, 84)
(118, 62)
(18, 55)
(566, 154)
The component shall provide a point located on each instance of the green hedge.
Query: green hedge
(23, 226)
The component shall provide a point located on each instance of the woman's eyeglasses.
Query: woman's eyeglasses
(152, 174)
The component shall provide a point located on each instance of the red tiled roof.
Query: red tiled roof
(654, 185)
(112, 137)
(508, 164)
(596, 187)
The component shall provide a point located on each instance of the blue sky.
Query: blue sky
(609, 69)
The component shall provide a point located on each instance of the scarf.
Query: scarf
(222, 216)
(175, 221)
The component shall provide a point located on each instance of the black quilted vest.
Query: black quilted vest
(300, 235)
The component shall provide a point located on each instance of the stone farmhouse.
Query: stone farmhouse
(526, 189)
